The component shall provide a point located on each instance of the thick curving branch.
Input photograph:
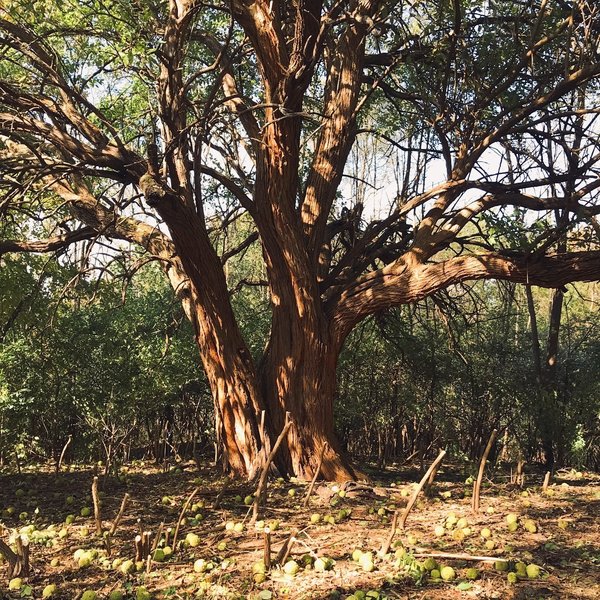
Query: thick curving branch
(407, 281)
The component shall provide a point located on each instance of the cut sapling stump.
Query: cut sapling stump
(477, 482)
(96, 500)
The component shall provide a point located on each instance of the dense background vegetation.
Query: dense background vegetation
(110, 362)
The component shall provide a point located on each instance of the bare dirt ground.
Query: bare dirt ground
(558, 532)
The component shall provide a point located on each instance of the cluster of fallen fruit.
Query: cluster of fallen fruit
(400, 563)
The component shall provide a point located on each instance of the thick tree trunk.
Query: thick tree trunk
(298, 375)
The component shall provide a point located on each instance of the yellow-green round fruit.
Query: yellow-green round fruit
(248, 500)
(451, 521)
(292, 492)
(490, 544)
(127, 566)
(429, 564)
(440, 531)
(490, 510)
(530, 526)
(229, 526)
(511, 518)
(259, 567)
(462, 523)
(54, 562)
(222, 546)
(200, 565)
(20, 493)
(501, 565)
(168, 551)
(49, 591)
(259, 577)
(166, 500)
(458, 535)
(192, 540)
(142, 594)
(485, 533)
(69, 519)
(70, 499)
(159, 555)
(447, 573)
(435, 574)
(291, 567)
(85, 561)
(512, 578)
(140, 565)
(472, 573)
(315, 518)
(466, 531)
(533, 571)
(89, 595)
(116, 595)
(356, 554)
(238, 527)
(521, 569)
(86, 511)
(322, 564)
(381, 511)
(412, 540)
(15, 584)
(512, 527)
(367, 565)
(274, 525)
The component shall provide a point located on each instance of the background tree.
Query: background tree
(154, 123)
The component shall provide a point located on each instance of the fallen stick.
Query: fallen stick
(459, 556)
(425, 478)
(262, 483)
(317, 471)
(183, 511)
(477, 484)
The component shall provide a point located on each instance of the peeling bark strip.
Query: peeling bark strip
(325, 271)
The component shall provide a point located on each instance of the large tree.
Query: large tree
(157, 122)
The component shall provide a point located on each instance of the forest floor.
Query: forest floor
(558, 531)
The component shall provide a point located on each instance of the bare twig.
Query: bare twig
(477, 484)
(181, 514)
(317, 471)
(385, 547)
(262, 483)
(62, 454)
(119, 516)
(423, 481)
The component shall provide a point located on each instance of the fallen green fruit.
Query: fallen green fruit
(447, 573)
